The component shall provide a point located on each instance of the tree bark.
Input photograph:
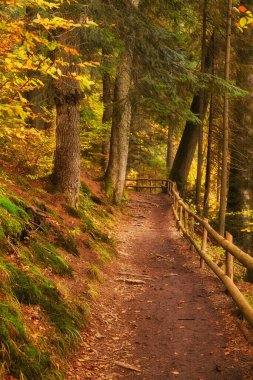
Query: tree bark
(188, 143)
(170, 151)
(186, 150)
(201, 110)
(209, 143)
(240, 192)
(66, 171)
(107, 117)
(225, 150)
(208, 162)
(121, 120)
(107, 113)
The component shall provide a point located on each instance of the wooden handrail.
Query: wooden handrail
(140, 184)
(226, 244)
(239, 254)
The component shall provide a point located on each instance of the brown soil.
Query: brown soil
(179, 323)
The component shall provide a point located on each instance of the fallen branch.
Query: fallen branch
(37, 212)
(131, 281)
(127, 366)
(161, 257)
(136, 275)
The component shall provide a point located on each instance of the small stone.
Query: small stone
(99, 336)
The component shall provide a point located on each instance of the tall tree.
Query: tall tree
(170, 151)
(202, 110)
(240, 192)
(188, 143)
(107, 113)
(66, 171)
(121, 120)
(225, 150)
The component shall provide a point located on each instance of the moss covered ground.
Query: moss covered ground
(49, 252)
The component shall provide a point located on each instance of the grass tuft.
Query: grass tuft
(33, 289)
(48, 256)
(95, 272)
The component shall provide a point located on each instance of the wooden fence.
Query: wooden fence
(187, 222)
(147, 184)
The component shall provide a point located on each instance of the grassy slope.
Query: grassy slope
(50, 255)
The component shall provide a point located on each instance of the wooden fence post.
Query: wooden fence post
(180, 216)
(192, 220)
(186, 220)
(191, 228)
(229, 259)
(203, 247)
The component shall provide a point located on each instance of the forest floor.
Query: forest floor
(176, 323)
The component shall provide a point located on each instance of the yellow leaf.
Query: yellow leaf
(243, 22)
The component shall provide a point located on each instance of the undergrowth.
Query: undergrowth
(31, 260)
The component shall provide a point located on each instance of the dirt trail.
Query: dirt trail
(174, 325)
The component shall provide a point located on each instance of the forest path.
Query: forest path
(172, 326)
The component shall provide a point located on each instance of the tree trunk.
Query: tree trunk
(107, 117)
(202, 111)
(170, 151)
(240, 193)
(107, 113)
(188, 143)
(209, 143)
(37, 99)
(186, 150)
(208, 162)
(66, 171)
(121, 119)
(225, 150)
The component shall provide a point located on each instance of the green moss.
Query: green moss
(23, 282)
(85, 203)
(72, 211)
(84, 189)
(12, 209)
(67, 242)
(12, 226)
(13, 218)
(88, 224)
(32, 288)
(17, 201)
(17, 354)
(48, 256)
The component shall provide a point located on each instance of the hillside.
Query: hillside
(51, 254)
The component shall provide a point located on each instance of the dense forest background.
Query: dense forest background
(126, 88)
(131, 77)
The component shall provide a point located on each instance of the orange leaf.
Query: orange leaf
(242, 8)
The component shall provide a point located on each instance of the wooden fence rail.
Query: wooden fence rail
(186, 221)
(147, 183)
